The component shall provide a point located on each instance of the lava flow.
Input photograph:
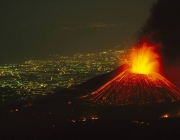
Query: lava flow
(141, 84)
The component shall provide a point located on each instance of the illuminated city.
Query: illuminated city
(36, 78)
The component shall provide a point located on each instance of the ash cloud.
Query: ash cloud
(163, 27)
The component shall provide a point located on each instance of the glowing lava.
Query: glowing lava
(141, 84)
(144, 60)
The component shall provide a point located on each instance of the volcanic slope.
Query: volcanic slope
(131, 88)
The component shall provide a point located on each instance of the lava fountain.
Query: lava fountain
(144, 60)
(141, 84)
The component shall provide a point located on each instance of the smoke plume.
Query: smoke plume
(163, 27)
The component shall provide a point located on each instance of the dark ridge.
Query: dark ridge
(95, 83)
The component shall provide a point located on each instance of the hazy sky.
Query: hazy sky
(34, 29)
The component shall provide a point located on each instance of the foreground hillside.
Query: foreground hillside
(64, 115)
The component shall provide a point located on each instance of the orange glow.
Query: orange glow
(69, 103)
(165, 116)
(94, 118)
(144, 60)
(138, 84)
(73, 121)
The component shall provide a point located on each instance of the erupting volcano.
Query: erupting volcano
(141, 84)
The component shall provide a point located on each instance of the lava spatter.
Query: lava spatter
(131, 88)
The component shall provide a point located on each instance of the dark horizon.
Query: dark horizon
(37, 29)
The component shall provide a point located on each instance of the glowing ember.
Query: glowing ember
(144, 60)
(165, 116)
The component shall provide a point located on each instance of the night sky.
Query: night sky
(36, 29)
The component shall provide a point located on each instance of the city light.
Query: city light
(35, 78)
